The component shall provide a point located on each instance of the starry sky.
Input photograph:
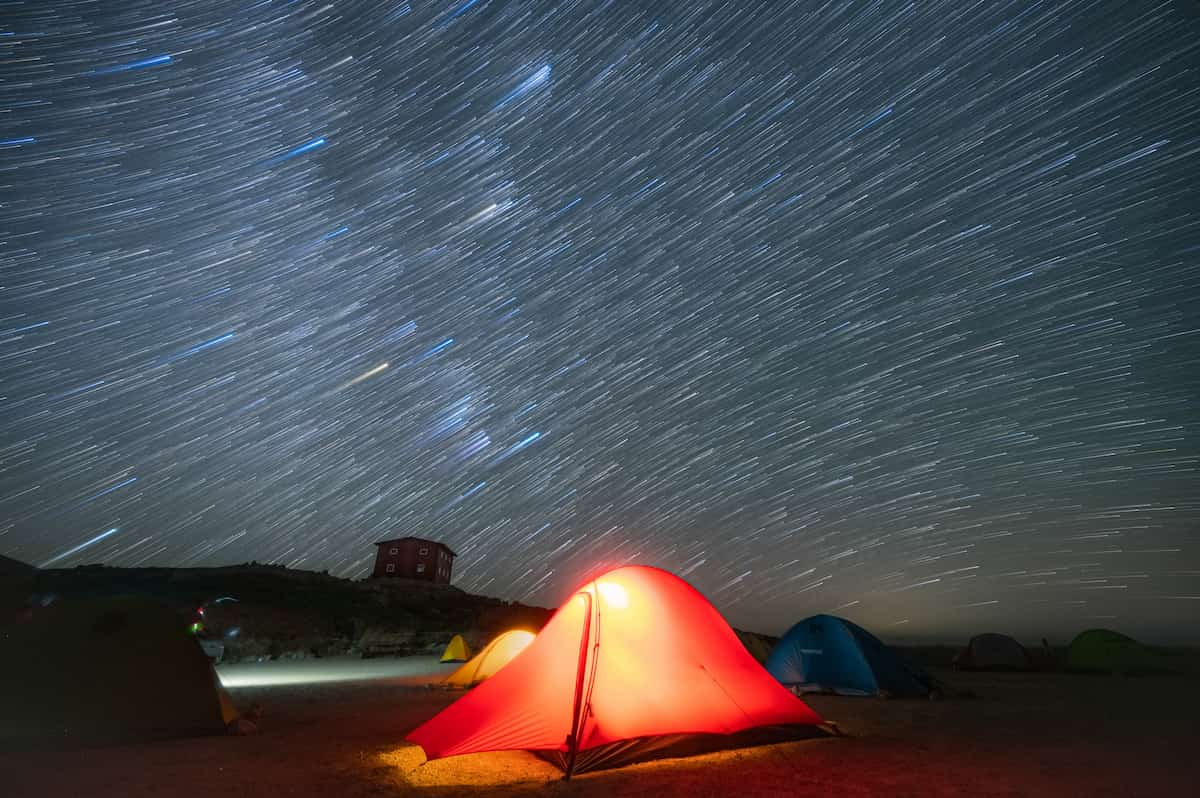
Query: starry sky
(884, 309)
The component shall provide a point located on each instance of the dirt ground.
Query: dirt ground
(1022, 735)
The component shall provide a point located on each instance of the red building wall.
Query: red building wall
(413, 558)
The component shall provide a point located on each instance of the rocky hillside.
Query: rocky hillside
(271, 612)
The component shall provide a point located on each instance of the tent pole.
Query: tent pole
(580, 676)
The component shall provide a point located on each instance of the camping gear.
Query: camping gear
(993, 652)
(1106, 651)
(826, 654)
(631, 660)
(107, 670)
(457, 650)
(495, 655)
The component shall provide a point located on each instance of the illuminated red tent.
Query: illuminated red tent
(631, 658)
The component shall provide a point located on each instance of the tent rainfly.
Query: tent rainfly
(826, 654)
(494, 656)
(632, 658)
(457, 650)
(993, 652)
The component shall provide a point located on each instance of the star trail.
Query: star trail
(880, 308)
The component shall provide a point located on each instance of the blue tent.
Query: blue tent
(828, 654)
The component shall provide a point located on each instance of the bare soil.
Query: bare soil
(1022, 735)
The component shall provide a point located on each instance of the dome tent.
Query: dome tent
(16, 585)
(759, 649)
(829, 654)
(457, 650)
(108, 670)
(494, 656)
(1106, 651)
(634, 657)
(992, 651)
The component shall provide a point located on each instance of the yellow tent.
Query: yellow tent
(457, 650)
(494, 656)
(106, 670)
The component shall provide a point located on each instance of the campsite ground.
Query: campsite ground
(1022, 735)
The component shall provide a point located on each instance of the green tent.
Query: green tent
(107, 670)
(1106, 651)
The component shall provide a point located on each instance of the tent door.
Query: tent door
(577, 711)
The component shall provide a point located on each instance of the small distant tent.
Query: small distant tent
(758, 648)
(494, 656)
(12, 568)
(632, 660)
(824, 654)
(16, 584)
(457, 650)
(993, 652)
(107, 670)
(1106, 651)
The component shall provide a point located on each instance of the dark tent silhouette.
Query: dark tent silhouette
(993, 652)
(16, 585)
(10, 568)
(107, 670)
(632, 660)
(826, 654)
(1106, 651)
(759, 649)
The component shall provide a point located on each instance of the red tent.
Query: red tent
(632, 656)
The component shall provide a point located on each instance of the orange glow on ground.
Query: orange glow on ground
(509, 769)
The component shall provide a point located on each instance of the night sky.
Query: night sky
(885, 309)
